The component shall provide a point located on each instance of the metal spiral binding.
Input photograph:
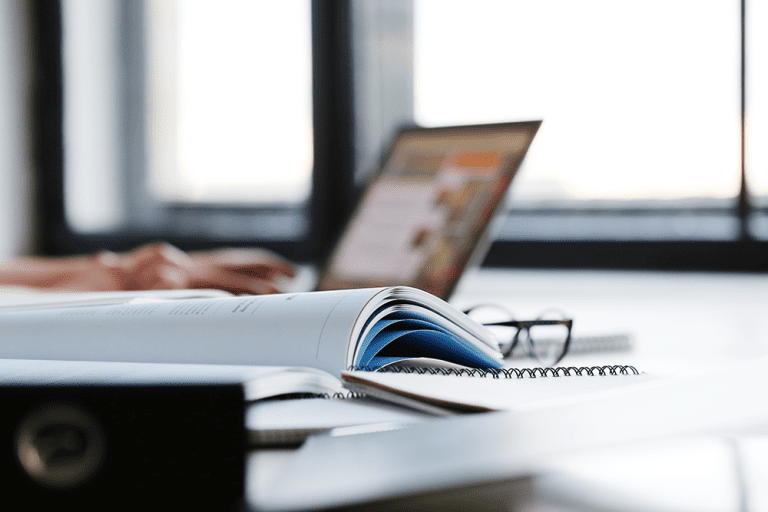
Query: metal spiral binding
(510, 373)
(339, 395)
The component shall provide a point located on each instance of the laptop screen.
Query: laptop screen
(424, 217)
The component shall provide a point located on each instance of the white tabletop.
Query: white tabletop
(679, 322)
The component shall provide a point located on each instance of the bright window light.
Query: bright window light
(640, 99)
(230, 101)
(756, 123)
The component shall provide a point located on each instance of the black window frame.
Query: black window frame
(335, 189)
(745, 253)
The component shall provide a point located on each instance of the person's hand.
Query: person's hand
(163, 266)
(240, 270)
(153, 267)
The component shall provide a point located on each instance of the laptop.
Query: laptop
(426, 216)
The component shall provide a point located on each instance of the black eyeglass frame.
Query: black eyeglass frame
(525, 325)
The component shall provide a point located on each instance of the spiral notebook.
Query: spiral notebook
(441, 455)
(449, 390)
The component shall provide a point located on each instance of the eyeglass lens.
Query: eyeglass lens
(545, 343)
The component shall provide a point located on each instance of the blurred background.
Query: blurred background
(248, 122)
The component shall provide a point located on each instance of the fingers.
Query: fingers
(234, 282)
(259, 262)
(158, 253)
(154, 267)
(163, 266)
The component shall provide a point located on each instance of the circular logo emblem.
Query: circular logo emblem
(60, 445)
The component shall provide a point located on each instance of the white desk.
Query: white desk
(678, 321)
(680, 324)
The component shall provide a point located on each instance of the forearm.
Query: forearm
(74, 273)
(151, 267)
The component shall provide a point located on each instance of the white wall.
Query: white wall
(15, 124)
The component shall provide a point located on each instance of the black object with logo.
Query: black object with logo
(107, 447)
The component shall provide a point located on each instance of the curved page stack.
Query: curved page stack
(330, 331)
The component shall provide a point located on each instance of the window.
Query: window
(92, 128)
(640, 103)
(230, 101)
(650, 154)
(181, 120)
(756, 120)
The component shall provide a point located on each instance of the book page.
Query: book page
(258, 381)
(310, 330)
(291, 422)
(34, 299)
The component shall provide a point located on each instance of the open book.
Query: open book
(330, 331)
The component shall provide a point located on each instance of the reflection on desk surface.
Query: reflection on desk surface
(688, 474)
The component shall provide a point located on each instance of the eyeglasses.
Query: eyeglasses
(545, 339)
